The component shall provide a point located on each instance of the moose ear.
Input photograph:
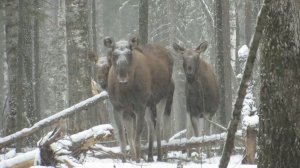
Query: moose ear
(133, 42)
(202, 47)
(108, 42)
(178, 48)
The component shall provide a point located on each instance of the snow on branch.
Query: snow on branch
(65, 150)
(172, 145)
(52, 119)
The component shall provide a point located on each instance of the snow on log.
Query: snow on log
(22, 160)
(172, 145)
(65, 149)
(52, 119)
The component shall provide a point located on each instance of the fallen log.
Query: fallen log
(173, 145)
(65, 150)
(52, 119)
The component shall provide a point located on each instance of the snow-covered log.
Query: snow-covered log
(52, 119)
(172, 145)
(65, 150)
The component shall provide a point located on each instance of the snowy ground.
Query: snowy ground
(235, 162)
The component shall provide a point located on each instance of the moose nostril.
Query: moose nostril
(189, 69)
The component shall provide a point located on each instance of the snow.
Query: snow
(19, 158)
(235, 162)
(55, 117)
(251, 121)
(243, 52)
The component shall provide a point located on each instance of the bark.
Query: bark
(2, 71)
(94, 22)
(143, 21)
(236, 114)
(237, 42)
(227, 65)
(248, 18)
(220, 56)
(79, 70)
(25, 51)
(279, 139)
(36, 66)
(51, 120)
(15, 66)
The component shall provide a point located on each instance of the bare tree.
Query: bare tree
(2, 71)
(78, 66)
(279, 122)
(143, 21)
(15, 67)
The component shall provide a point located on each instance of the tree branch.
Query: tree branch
(243, 86)
(52, 119)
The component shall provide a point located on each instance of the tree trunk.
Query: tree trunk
(143, 21)
(25, 49)
(36, 65)
(227, 62)
(15, 67)
(280, 87)
(78, 66)
(236, 113)
(2, 71)
(237, 39)
(248, 19)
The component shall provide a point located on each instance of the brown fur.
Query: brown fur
(202, 90)
(144, 80)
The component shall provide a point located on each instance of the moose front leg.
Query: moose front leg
(140, 114)
(118, 116)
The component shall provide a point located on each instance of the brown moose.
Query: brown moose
(201, 88)
(140, 78)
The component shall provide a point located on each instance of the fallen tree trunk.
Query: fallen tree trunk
(172, 145)
(52, 119)
(64, 150)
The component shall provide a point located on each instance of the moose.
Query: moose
(140, 86)
(201, 88)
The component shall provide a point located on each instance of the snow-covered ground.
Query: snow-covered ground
(235, 162)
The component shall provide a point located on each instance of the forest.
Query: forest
(150, 83)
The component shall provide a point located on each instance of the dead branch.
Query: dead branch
(173, 145)
(65, 150)
(243, 86)
(52, 119)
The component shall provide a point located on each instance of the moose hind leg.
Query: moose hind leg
(150, 118)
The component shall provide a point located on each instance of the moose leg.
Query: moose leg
(160, 114)
(118, 116)
(150, 125)
(139, 120)
(129, 125)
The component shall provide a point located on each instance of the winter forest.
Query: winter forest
(150, 83)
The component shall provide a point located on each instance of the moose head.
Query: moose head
(190, 59)
(121, 56)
